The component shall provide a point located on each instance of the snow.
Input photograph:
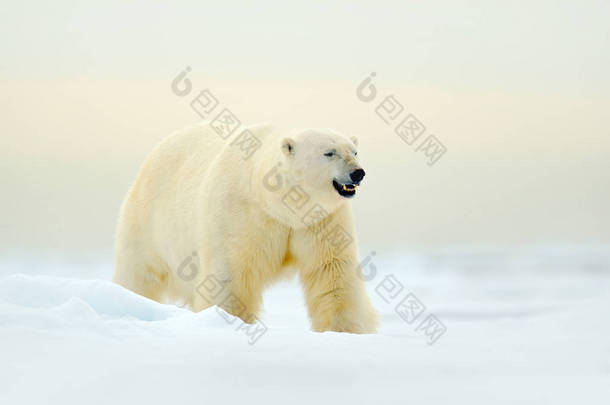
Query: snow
(525, 327)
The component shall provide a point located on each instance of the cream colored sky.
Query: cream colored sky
(518, 94)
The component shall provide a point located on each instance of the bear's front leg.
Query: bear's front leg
(337, 300)
(239, 295)
(242, 298)
(335, 294)
(230, 285)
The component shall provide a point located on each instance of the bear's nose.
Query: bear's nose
(357, 175)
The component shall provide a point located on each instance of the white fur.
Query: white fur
(196, 193)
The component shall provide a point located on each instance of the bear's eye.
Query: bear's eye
(330, 154)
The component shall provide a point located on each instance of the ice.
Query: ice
(528, 327)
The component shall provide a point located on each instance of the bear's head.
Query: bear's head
(324, 163)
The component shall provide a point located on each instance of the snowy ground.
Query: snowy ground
(529, 326)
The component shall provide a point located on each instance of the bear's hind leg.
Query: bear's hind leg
(140, 277)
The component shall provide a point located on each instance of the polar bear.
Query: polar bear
(213, 219)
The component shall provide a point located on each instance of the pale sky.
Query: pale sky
(518, 92)
(531, 45)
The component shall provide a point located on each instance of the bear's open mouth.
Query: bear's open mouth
(345, 190)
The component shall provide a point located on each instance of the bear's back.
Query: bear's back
(179, 162)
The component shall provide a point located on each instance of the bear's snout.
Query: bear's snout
(357, 175)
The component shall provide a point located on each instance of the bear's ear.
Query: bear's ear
(288, 146)
(354, 139)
